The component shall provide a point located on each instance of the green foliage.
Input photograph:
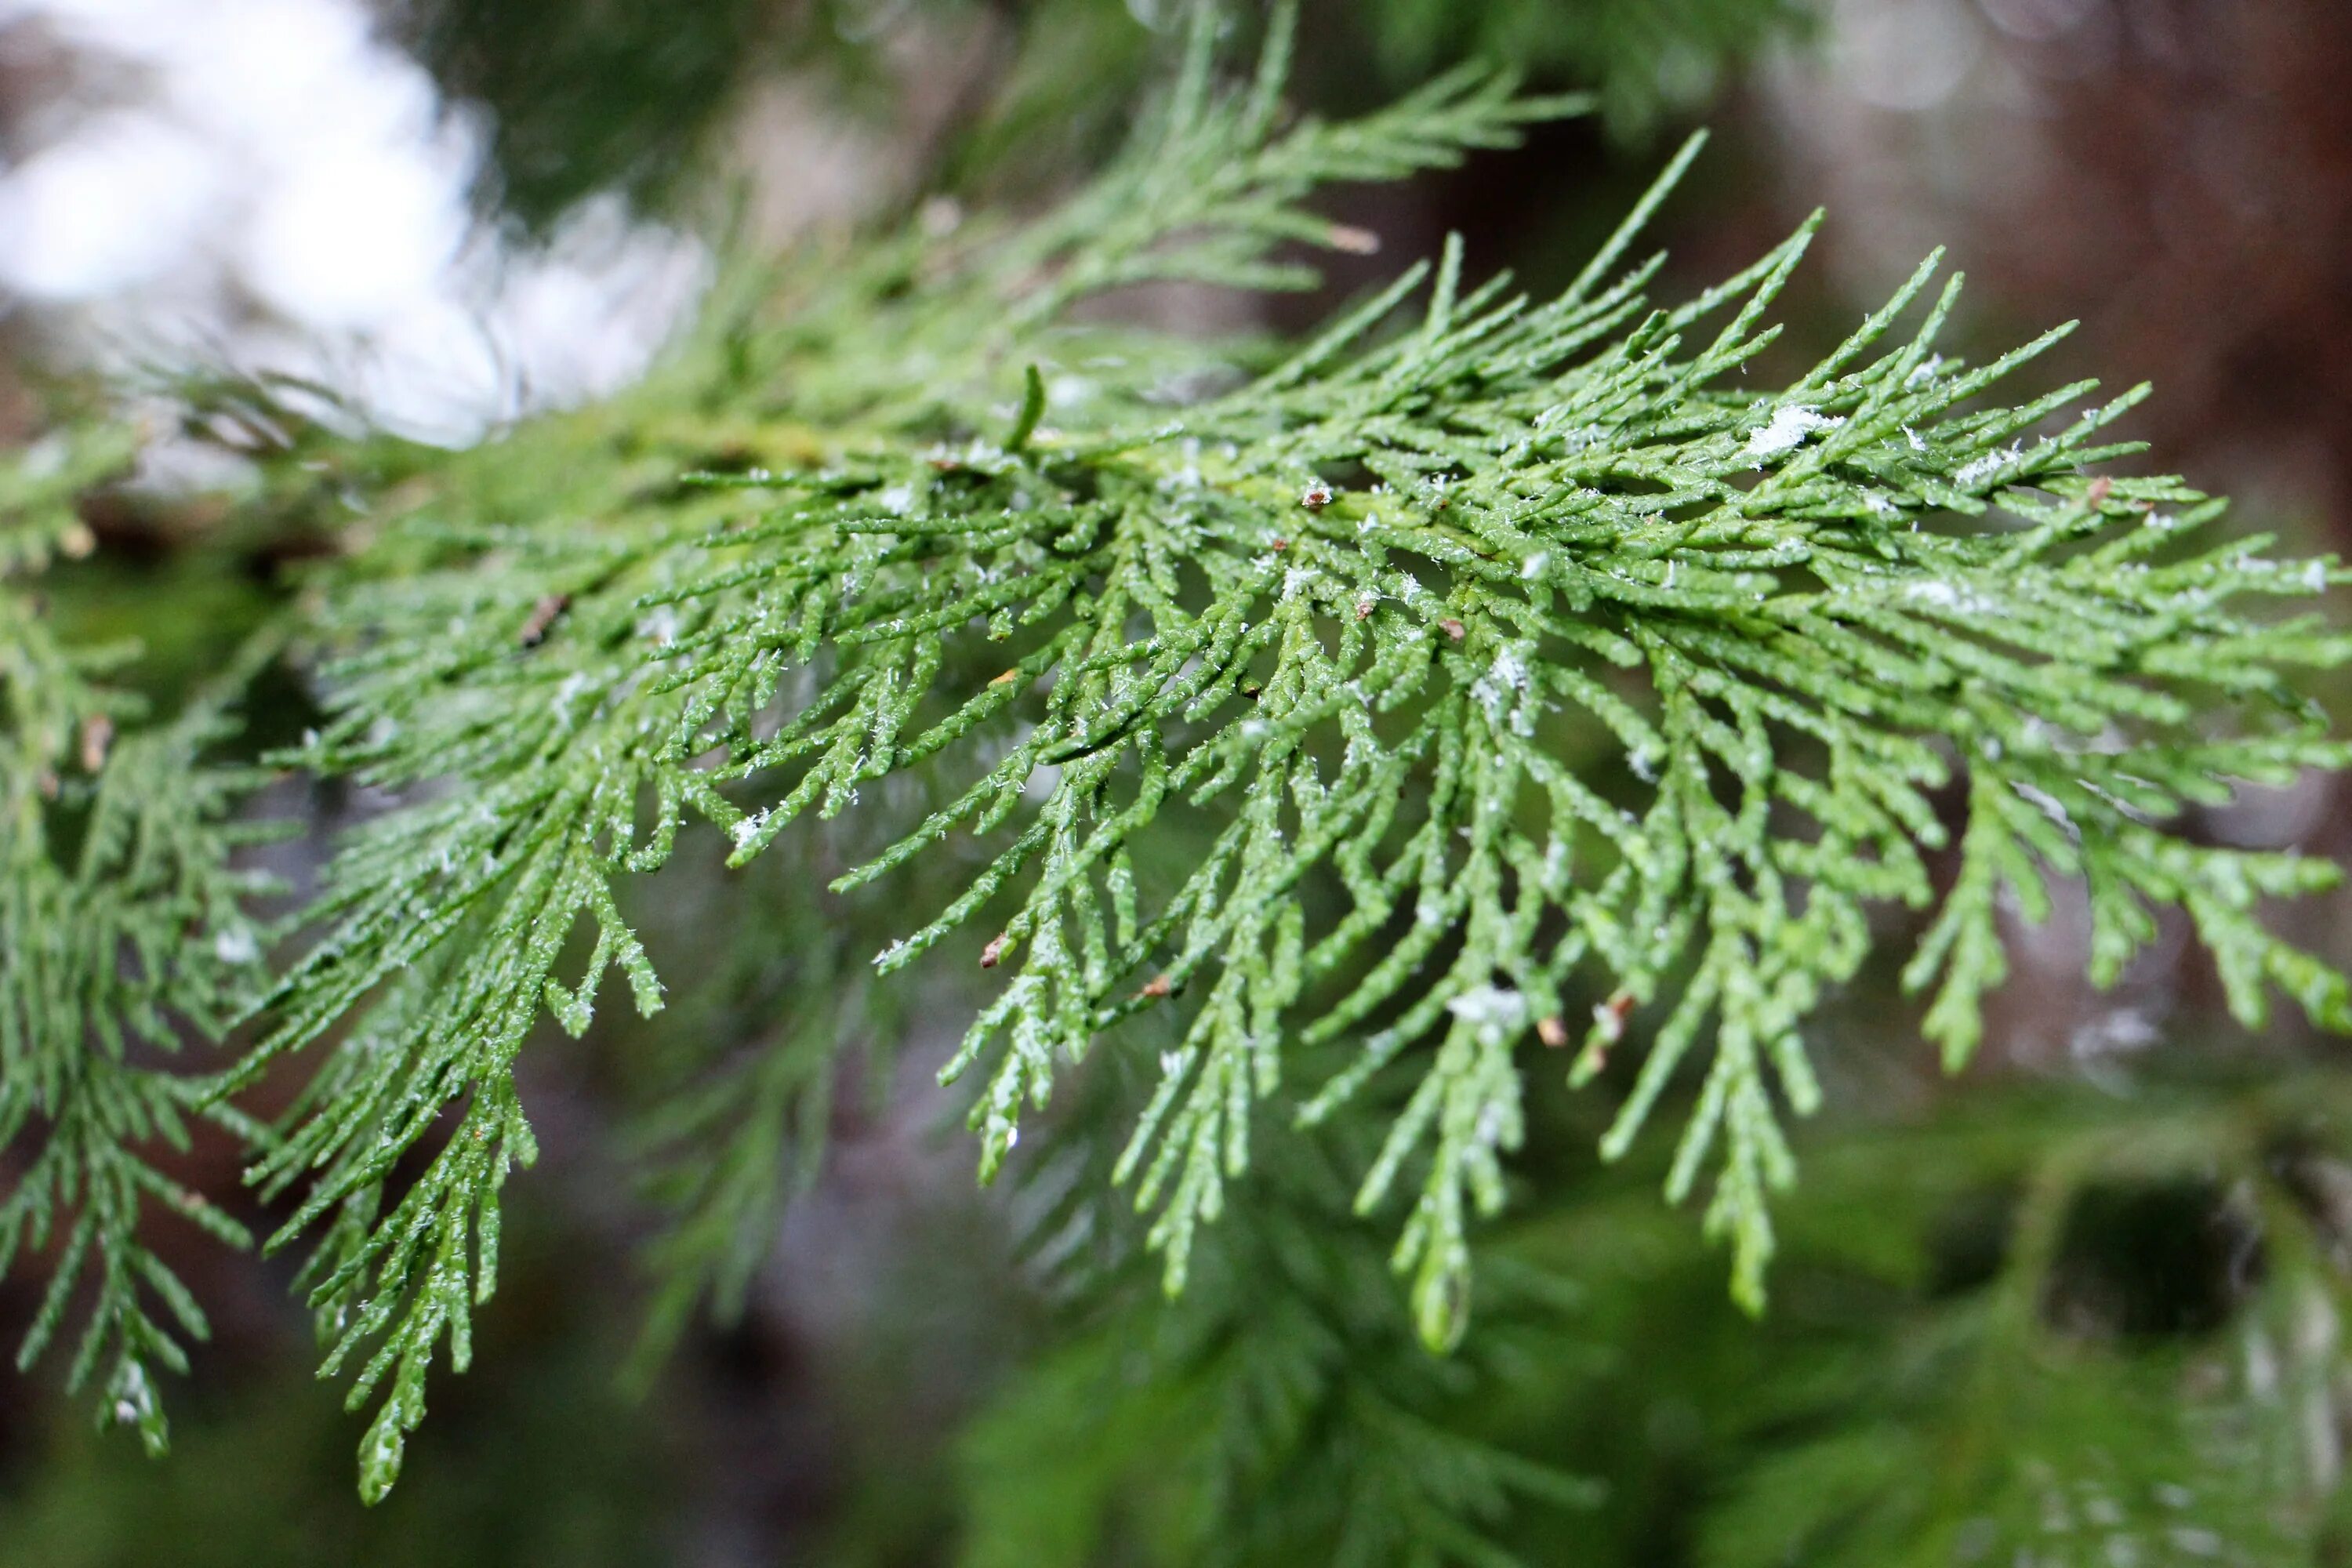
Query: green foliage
(585, 97)
(1982, 1353)
(539, 693)
(1644, 55)
(1282, 1410)
(546, 1465)
(123, 928)
(2028, 1414)
(1325, 727)
(1338, 627)
(746, 1074)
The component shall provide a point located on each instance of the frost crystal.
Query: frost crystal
(1501, 693)
(1789, 425)
(1946, 595)
(134, 1397)
(1982, 469)
(1492, 1010)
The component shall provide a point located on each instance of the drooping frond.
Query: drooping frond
(1282, 1411)
(123, 934)
(782, 1027)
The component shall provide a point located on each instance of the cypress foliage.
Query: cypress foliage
(124, 926)
(1329, 718)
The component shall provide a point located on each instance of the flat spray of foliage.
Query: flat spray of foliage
(1239, 692)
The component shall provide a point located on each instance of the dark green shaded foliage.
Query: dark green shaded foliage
(588, 96)
(583, 97)
(1645, 58)
(1886, 1412)
(124, 926)
(2005, 1421)
(541, 1463)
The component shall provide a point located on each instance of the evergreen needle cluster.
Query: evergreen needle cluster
(1331, 722)
(124, 928)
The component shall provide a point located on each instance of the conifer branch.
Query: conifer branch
(1486, 653)
(123, 932)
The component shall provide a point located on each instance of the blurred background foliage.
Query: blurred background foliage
(2083, 1307)
(590, 95)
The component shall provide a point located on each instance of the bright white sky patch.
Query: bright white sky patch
(278, 187)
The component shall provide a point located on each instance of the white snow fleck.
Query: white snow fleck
(1946, 595)
(134, 1399)
(1509, 670)
(1985, 466)
(1789, 425)
(235, 944)
(1501, 693)
(1491, 1009)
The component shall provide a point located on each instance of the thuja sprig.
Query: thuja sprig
(1326, 645)
(125, 932)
